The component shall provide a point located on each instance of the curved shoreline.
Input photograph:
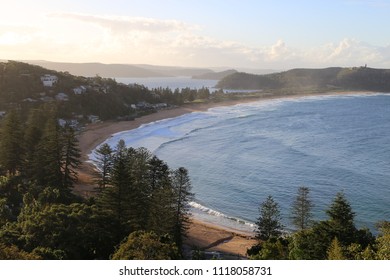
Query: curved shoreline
(201, 234)
(95, 134)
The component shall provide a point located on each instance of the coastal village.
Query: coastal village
(50, 95)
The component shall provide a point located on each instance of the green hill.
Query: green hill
(21, 87)
(25, 86)
(315, 80)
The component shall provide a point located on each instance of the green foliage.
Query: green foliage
(144, 194)
(355, 251)
(269, 222)
(117, 199)
(14, 253)
(50, 154)
(336, 251)
(335, 238)
(183, 195)
(49, 253)
(301, 209)
(5, 212)
(141, 245)
(11, 196)
(45, 153)
(32, 136)
(341, 220)
(78, 231)
(272, 249)
(104, 162)
(384, 241)
(161, 200)
(11, 149)
(301, 246)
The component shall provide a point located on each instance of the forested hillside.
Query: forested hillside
(137, 199)
(313, 80)
(77, 97)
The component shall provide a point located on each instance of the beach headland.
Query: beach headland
(201, 235)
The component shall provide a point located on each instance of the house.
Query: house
(49, 80)
(93, 118)
(71, 123)
(62, 122)
(160, 106)
(144, 105)
(80, 90)
(62, 97)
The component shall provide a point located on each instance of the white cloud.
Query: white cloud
(278, 51)
(121, 24)
(13, 35)
(13, 38)
(114, 39)
(349, 52)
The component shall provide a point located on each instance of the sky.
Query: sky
(261, 34)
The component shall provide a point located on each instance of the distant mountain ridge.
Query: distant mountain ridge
(334, 78)
(138, 70)
(214, 75)
(119, 70)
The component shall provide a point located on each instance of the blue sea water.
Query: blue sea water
(238, 155)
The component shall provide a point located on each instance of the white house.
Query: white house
(80, 90)
(49, 80)
(71, 123)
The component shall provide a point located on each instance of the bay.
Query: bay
(170, 82)
(238, 155)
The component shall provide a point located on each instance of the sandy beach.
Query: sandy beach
(201, 235)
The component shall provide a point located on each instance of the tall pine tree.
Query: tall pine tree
(183, 195)
(104, 162)
(70, 156)
(32, 136)
(11, 145)
(160, 213)
(49, 156)
(301, 209)
(341, 220)
(269, 222)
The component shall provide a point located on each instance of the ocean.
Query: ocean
(238, 155)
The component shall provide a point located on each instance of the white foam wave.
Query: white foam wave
(216, 213)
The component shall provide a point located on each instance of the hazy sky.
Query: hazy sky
(278, 34)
